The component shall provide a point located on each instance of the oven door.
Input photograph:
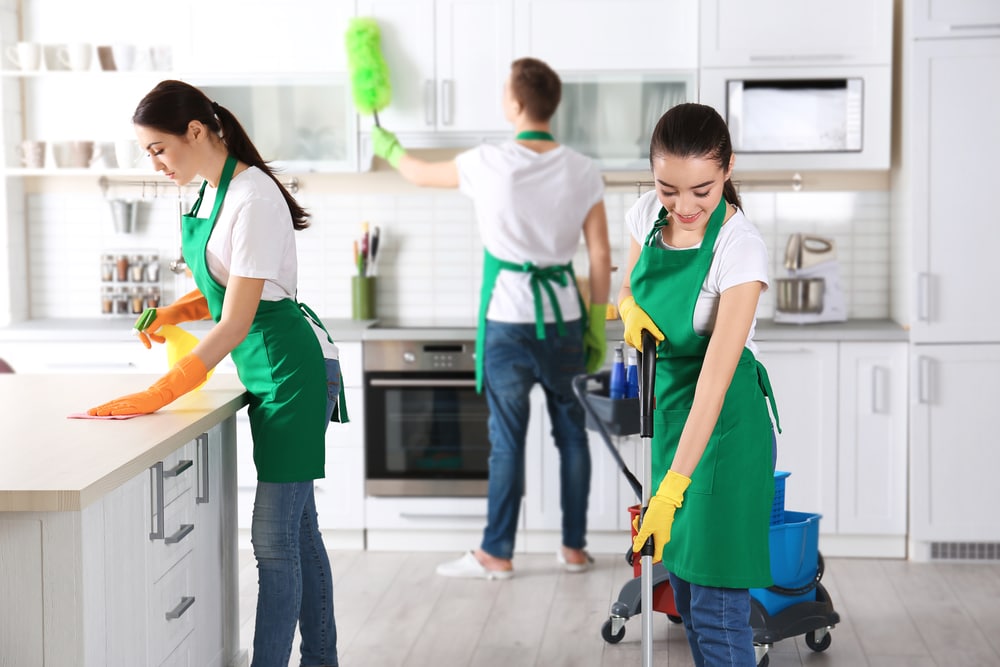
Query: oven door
(425, 434)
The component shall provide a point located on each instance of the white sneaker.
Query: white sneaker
(469, 567)
(574, 568)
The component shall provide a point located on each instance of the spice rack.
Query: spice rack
(130, 282)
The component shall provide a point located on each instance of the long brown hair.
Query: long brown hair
(172, 105)
(695, 130)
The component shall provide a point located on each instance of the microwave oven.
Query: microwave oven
(819, 118)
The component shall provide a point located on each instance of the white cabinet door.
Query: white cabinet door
(804, 379)
(956, 226)
(596, 35)
(447, 62)
(744, 33)
(953, 454)
(209, 589)
(872, 438)
(954, 18)
(542, 487)
(303, 36)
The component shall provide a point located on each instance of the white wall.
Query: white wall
(431, 256)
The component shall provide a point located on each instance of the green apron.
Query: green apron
(541, 278)
(280, 363)
(719, 536)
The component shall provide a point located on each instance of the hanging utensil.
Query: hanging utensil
(179, 265)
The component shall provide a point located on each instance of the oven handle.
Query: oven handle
(375, 382)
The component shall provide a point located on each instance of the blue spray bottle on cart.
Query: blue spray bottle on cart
(631, 376)
(617, 387)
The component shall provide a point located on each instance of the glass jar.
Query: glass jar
(153, 297)
(121, 301)
(136, 265)
(107, 268)
(137, 299)
(153, 269)
(121, 268)
(108, 300)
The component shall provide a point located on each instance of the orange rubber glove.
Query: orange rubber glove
(189, 372)
(190, 307)
(659, 516)
(635, 320)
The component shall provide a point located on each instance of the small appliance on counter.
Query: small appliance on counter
(813, 292)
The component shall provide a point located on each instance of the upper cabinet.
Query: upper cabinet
(260, 36)
(601, 36)
(954, 18)
(750, 33)
(447, 61)
(293, 98)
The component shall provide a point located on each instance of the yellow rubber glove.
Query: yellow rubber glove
(635, 320)
(595, 338)
(190, 307)
(179, 380)
(659, 517)
(387, 146)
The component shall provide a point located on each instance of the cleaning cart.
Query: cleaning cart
(650, 588)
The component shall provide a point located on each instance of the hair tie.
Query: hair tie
(215, 107)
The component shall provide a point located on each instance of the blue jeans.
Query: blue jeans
(514, 361)
(294, 577)
(717, 621)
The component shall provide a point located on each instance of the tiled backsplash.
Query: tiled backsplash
(430, 257)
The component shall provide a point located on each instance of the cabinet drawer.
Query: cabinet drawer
(179, 471)
(178, 540)
(425, 513)
(181, 657)
(171, 610)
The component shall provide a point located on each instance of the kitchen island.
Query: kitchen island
(118, 540)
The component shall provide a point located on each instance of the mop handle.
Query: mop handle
(647, 363)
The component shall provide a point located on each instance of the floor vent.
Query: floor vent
(965, 551)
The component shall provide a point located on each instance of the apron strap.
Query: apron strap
(340, 409)
(765, 386)
(542, 278)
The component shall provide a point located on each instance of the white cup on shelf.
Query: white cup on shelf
(77, 56)
(127, 153)
(124, 56)
(31, 153)
(27, 56)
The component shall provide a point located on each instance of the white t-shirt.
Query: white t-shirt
(530, 207)
(254, 238)
(740, 257)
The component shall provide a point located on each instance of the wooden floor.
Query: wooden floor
(391, 609)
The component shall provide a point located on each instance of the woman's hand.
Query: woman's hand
(636, 320)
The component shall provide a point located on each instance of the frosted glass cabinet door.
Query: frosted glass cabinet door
(610, 116)
(303, 123)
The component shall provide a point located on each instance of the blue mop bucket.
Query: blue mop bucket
(794, 548)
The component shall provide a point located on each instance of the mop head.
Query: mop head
(368, 71)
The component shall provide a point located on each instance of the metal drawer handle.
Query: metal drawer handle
(156, 501)
(204, 478)
(422, 383)
(179, 468)
(179, 610)
(183, 532)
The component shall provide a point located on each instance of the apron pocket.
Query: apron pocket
(254, 367)
(667, 428)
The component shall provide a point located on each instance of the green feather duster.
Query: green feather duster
(369, 73)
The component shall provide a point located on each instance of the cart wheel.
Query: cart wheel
(674, 619)
(609, 636)
(820, 645)
(765, 661)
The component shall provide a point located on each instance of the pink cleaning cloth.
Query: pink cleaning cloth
(84, 415)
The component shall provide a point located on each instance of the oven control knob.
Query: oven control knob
(409, 357)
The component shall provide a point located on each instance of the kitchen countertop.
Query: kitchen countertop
(342, 329)
(51, 463)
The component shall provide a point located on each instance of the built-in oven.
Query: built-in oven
(425, 425)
